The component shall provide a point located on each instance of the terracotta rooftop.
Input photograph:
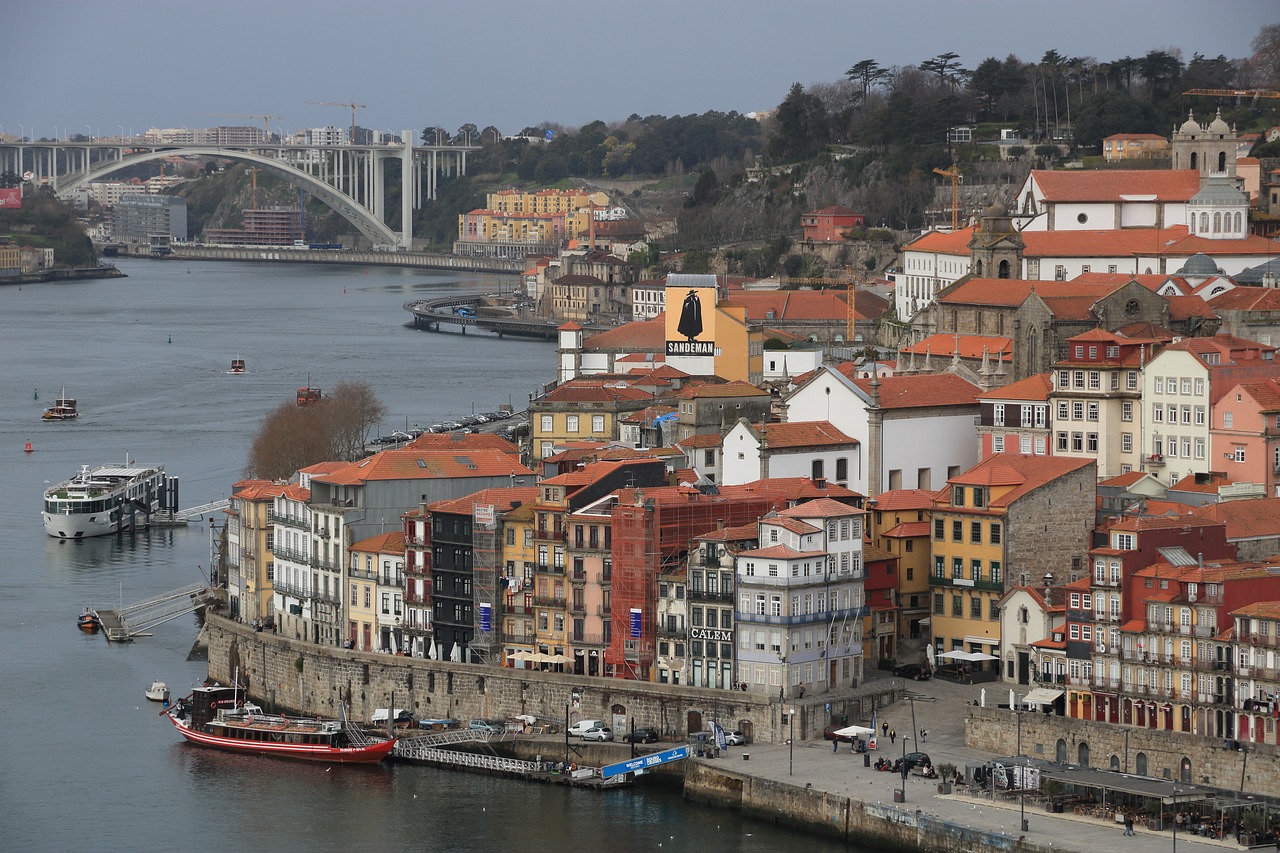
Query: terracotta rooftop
(788, 523)
(1011, 293)
(594, 391)
(804, 434)
(741, 533)
(1246, 519)
(737, 388)
(423, 465)
(1259, 610)
(970, 346)
(782, 552)
(382, 543)
(899, 499)
(942, 242)
(1025, 473)
(502, 499)
(462, 442)
(919, 391)
(259, 490)
(907, 529)
(1110, 185)
(821, 508)
(706, 439)
(1033, 389)
(637, 336)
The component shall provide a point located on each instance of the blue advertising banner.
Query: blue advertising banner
(645, 761)
(636, 622)
(486, 618)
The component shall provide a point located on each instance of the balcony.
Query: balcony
(363, 574)
(549, 601)
(704, 595)
(283, 553)
(289, 520)
(544, 569)
(417, 542)
(667, 633)
(965, 583)
(1155, 460)
(551, 535)
(585, 639)
(578, 608)
(805, 619)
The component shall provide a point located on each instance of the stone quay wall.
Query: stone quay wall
(289, 675)
(874, 826)
(995, 730)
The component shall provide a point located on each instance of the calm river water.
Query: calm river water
(85, 763)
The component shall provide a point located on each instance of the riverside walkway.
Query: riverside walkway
(432, 314)
(939, 708)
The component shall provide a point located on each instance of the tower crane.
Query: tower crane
(1238, 94)
(266, 120)
(954, 174)
(352, 105)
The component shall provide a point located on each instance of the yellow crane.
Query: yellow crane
(266, 120)
(1238, 94)
(954, 174)
(352, 105)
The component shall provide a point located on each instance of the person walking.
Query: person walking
(923, 734)
(1128, 823)
(835, 745)
(884, 728)
(893, 735)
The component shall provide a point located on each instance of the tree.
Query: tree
(1106, 113)
(434, 135)
(1264, 64)
(800, 126)
(705, 191)
(950, 73)
(1160, 69)
(9, 180)
(293, 437)
(867, 73)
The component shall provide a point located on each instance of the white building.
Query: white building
(813, 449)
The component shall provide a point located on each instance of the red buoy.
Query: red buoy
(28, 448)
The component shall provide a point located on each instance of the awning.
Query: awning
(1041, 696)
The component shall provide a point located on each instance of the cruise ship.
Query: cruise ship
(107, 499)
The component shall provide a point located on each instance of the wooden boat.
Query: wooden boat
(308, 396)
(63, 408)
(89, 621)
(237, 365)
(215, 717)
(158, 692)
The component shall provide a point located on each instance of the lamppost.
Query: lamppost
(1022, 783)
(791, 743)
(905, 738)
(1174, 817)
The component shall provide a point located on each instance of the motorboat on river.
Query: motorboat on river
(158, 692)
(63, 408)
(215, 717)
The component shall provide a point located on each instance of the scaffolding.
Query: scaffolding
(486, 558)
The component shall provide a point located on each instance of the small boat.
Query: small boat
(217, 718)
(63, 408)
(308, 396)
(237, 365)
(89, 621)
(158, 692)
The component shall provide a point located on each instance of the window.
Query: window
(1131, 380)
(1077, 411)
(1239, 457)
(957, 606)
(1061, 442)
(995, 572)
(975, 570)
(995, 533)
(1186, 386)
(1093, 411)
(1186, 414)
(997, 444)
(571, 423)
(939, 567)
(1077, 441)
(1159, 384)
(957, 568)
(1062, 410)
(1093, 442)
(597, 423)
(957, 495)
(1227, 420)
(1126, 410)
(546, 423)
(1126, 442)
(957, 531)
(975, 532)
(1157, 413)
(939, 529)
(1199, 448)
(975, 607)
(998, 414)
(1095, 379)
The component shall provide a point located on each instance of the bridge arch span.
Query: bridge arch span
(341, 203)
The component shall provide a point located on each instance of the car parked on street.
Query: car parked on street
(582, 725)
(918, 671)
(735, 738)
(493, 727)
(642, 735)
(598, 733)
(916, 759)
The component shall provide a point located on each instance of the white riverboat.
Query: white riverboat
(107, 499)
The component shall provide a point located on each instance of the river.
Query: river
(86, 762)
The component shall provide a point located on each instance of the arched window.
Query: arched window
(1082, 754)
(1217, 222)
(1204, 222)
(1184, 769)
(1061, 754)
(1115, 763)
(1140, 764)
(1239, 223)
(1004, 270)
(1194, 157)
(977, 268)
(1222, 161)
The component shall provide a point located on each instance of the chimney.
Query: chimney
(820, 482)
(1200, 560)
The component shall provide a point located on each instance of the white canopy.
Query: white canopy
(961, 654)
(854, 731)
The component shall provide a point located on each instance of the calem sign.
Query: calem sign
(691, 315)
(10, 198)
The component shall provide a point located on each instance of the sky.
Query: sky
(99, 67)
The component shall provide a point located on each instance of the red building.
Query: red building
(830, 224)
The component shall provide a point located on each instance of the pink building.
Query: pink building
(1244, 439)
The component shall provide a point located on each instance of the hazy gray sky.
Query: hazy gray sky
(96, 65)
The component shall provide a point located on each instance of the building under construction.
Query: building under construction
(264, 226)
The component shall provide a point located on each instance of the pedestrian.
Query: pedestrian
(835, 745)
(1128, 825)
(884, 728)
(893, 735)
(923, 734)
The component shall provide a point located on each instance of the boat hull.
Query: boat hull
(106, 500)
(371, 754)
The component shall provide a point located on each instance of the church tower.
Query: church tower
(1209, 149)
(996, 248)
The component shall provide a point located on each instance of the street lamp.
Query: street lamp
(1174, 817)
(1022, 783)
(791, 743)
(905, 738)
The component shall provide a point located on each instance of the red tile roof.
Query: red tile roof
(821, 508)
(781, 552)
(424, 465)
(1033, 389)
(1246, 519)
(1011, 293)
(707, 439)
(1110, 185)
(382, 543)
(1124, 480)
(942, 242)
(1247, 299)
(899, 499)
(804, 434)
(502, 499)
(587, 390)
(258, 490)
(908, 529)
(789, 523)
(742, 533)
(712, 390)
(919, 391)
(970, 346)
(766, 306)
(463, 442)
(1025, 473)
(1201, 484)
(638, 336)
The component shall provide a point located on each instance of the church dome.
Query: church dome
(1219, 126)
(1218, 192)
(995, 211)
(1190, 125)
(1199, 264)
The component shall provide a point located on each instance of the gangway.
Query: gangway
(442, 738)
(195, 513)
(123, 624)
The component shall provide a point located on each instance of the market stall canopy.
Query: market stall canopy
(854, 731)
(1041, 696)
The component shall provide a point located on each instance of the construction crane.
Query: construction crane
(266, 120)
(1238, 94)
(352, 105)
(954, 174)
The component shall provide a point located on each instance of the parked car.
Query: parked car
(399, 436)
(493, 727)
(600, 733)
(452, 425)
(438, 428)
(735, 738)
(829, 733)
(916, 759)
(582, 725)
(643, 735)
(918, 671)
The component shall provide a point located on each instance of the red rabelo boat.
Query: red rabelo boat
(217, 718)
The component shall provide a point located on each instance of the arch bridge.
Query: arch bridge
(350, 179)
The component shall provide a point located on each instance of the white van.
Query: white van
(581, 726)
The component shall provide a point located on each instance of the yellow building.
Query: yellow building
(544, 201)
(709, 337)
(361, 593)
(250, 543)
(900, 524)
(584, 409)
(1009, 519)
(518, 554)
(1134, 146)
(495, 225)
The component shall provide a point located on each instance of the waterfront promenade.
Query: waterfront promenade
(940, 709)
